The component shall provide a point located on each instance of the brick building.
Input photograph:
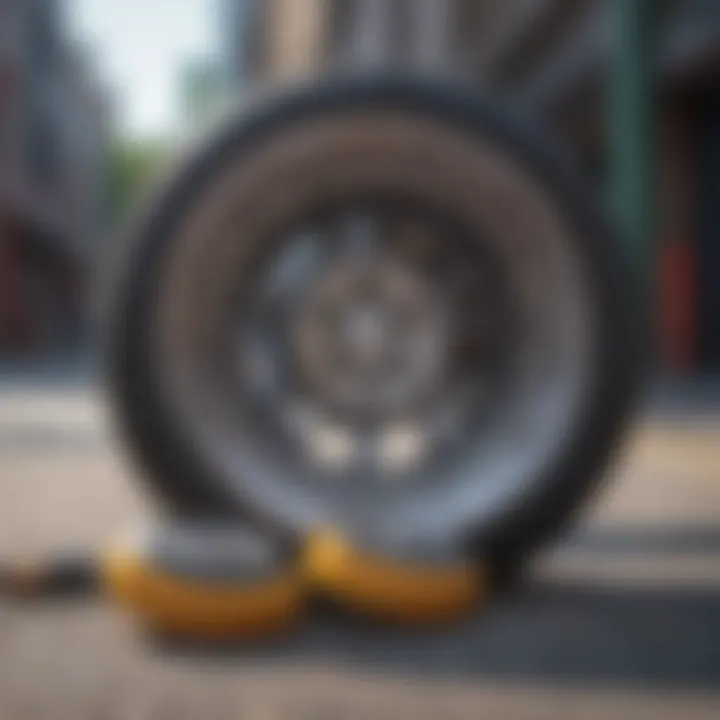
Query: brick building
(550, 58)
(52, 137)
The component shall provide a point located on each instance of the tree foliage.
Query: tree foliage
(132, 165)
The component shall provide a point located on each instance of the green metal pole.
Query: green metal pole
(631, 125)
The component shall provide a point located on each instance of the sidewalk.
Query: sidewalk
(620, 621)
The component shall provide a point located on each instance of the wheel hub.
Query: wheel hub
(372, 338)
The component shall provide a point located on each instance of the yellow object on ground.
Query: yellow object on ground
(196, 609)
(391, 590)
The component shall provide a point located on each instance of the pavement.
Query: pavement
(622, 619)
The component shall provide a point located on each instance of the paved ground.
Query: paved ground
(623, 621)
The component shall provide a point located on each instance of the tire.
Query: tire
(176, 467)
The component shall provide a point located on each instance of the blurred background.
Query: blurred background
(97, 94)
(95, 97)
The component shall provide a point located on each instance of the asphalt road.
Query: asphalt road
(623, 620)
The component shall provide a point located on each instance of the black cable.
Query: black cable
(57, 577)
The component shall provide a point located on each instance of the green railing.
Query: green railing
(631, 111)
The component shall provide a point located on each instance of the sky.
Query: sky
(141, 47)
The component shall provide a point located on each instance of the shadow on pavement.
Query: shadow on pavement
(655, 637)
(680, 540)
(551, 633)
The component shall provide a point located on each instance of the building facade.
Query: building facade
(52, 154)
